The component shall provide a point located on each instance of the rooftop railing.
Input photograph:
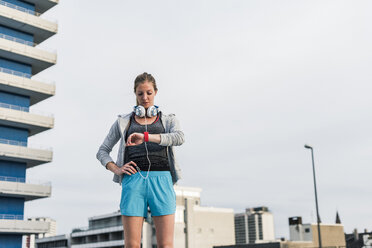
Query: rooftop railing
(11, 217)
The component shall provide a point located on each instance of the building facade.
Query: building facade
(22, 29)
(30, 239)
(306, 236)
(195, 226)
(332, 235)
(254, 225)
(359, 240)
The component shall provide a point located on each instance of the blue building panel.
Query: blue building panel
(11, 207)
(16, 34)
(12, 171)
(16, 66)
(22, 4)
(12, 99)
(18, 135)
(10, 241)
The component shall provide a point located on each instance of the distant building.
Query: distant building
(359, 240)
(304, 236)
(30, 239)
(254, 225)
(331, 234)
(60, 241)
(195, 226)
(199, 226)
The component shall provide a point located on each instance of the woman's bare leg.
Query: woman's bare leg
(164, 226)
(132, 231)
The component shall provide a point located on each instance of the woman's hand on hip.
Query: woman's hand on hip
(135, 139)
(127, 168)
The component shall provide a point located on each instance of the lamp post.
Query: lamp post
(316, 196)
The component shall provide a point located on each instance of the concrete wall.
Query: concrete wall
(332, 235)
(207, 227)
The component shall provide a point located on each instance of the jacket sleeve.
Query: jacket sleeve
(175, 137)
(103, 154)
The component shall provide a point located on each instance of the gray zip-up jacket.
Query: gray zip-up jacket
(173, 136)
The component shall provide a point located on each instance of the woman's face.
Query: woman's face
(145, 94)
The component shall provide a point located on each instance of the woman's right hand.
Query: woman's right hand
(127, 168)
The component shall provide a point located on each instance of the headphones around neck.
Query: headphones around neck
(140, 111)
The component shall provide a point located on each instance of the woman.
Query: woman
(146, 166)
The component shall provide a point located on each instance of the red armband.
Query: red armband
(146, 136)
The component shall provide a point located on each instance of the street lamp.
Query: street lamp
(316, 196)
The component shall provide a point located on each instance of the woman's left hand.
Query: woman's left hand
(135, 139)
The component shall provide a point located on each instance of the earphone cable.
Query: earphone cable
(147, 155)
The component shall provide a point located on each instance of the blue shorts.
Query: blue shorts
(156, 192)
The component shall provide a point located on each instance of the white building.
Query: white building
(255, 225)
(332, 235)
(199, 226)
(30, 239)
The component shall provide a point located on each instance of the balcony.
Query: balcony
(14, 224)
(20, 83)
(16, 187)
(43, 5)
(18, 151)
(15, 116)
(39, 59)
(113, 243)
(27, 21)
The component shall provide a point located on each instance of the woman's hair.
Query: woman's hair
(144, 77)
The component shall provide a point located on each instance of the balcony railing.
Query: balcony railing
(15, 107)
(89, 228)
(21, 143)
(25, 75)
(18, 40)
(13, 6)
(25, 10)
(11, 217)
(24, 109)
(13, 179)
(13, 142)
(23, 180)
(16, 73)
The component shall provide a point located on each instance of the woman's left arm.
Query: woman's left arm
(174, 137)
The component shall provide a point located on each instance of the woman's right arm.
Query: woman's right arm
(103, 154)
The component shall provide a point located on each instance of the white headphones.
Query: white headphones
(140, 111)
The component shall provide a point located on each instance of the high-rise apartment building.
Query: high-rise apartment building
(254, 225)
(22, 29)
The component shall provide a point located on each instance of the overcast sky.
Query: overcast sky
(250, 81)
